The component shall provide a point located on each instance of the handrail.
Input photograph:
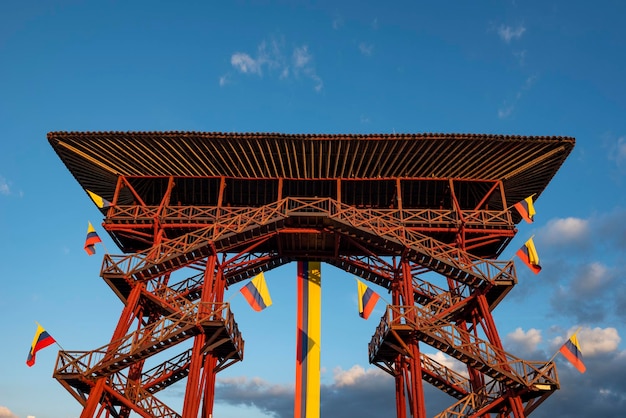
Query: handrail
(169, 329)
(458, 342)
(437, 255)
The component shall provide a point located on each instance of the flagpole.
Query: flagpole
(105, 247)
(102, 242)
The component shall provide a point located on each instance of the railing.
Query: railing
(141, 398)
(462, 345)
(445, 375)
(150, 339)
(151, 379)
(182, 215)
(441, 257)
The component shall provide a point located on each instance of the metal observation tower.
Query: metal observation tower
(424, 216)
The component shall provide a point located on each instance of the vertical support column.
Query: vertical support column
(414, 383)
(129, 313)
(210, 362)
(195, 380)
(309, 319)
(399, 365)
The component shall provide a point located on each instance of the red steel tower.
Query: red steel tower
(423, 215)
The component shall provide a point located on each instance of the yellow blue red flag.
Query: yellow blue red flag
(526, 209)
(528, 254)
(367, 299)
(98, 200)
(571, 351)
(92, 240)
(41, 340)
(257, 293)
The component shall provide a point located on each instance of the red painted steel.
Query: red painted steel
(397, 247)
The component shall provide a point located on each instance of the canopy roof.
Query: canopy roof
(525, 164)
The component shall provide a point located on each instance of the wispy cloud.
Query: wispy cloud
(618, 152)
(509, 33)
(272, 58)
(337, 22)
(245, 63)
(225, 79)
(4, 188)
(508, 107)
(366, 49)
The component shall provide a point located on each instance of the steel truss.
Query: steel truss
(394, 248)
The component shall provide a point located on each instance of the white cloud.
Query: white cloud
(245, 63)
(508, 108)
(271, 59)
(354, 375)
(6, 412)
(301, 57)
(593, 277)
(508, 33)
(4, 186)
(505, 112)
(618, 152)
(566, 230)
(528, 340)
(593, 341)
(521, 56)
(366, 49)
(337, 22)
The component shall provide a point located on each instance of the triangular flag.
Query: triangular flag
(99, 201)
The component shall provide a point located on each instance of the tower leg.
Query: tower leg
(201, 379)
(414, 382)
(307, 396)
(129, 313)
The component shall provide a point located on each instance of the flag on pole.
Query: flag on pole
(42, 340)
(571, 351)
(256, 293)
(99, 201)
(528, 254)
(526, 209)
(92, 240)
(367, 299)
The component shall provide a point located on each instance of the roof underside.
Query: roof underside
(525, 164)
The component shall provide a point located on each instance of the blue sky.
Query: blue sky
(553, 68)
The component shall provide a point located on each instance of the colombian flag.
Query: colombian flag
(367, 299)
(92, 240)
(42, 340)
(526, 209)
(571, 351)
(99, 201)
(256, 293)
(528, 254)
